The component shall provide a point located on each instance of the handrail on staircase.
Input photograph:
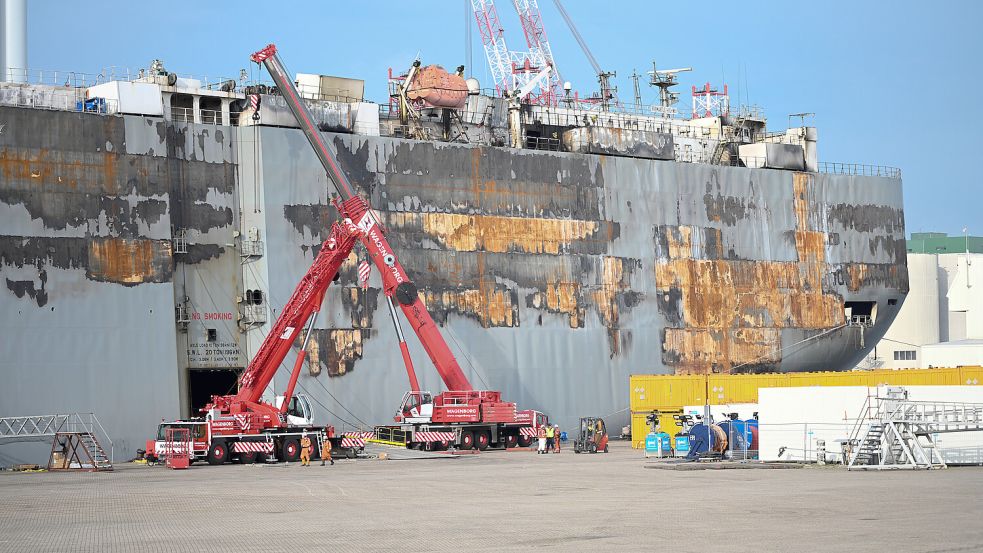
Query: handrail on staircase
(863, 417)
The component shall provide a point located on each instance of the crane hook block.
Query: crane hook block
(406, 293)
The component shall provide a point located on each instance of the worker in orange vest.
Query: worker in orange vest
(326, 452)
(541, 434)
(305, 451)
(556, 437)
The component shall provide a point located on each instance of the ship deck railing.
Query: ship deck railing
(859, 169)
(78, 79)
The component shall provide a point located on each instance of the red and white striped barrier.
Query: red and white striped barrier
(362, 435)
(350, 441)
(250, 447)
(433, 436)
(528, 432)
(363, 274)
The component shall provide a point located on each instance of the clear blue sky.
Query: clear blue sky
(894, 83)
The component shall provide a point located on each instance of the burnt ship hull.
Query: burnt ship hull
(142, 258)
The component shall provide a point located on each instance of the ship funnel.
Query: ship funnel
(13, 58)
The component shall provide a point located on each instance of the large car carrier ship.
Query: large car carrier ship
(153, 225)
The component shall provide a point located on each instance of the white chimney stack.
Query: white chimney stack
(14, 58)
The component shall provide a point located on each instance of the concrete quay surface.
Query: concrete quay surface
(494, 501)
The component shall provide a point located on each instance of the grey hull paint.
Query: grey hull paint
(110, 344)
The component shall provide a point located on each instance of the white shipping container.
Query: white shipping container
(130, 97)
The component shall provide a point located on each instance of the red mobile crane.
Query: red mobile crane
(461, 416)
(242, 424)
(245, 426)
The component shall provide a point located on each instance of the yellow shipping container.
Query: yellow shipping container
(640, 428)
(728, 389)
(648, 392)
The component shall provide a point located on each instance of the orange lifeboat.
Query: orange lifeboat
(438, 88)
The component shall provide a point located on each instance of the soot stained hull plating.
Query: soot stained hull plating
(554, 275)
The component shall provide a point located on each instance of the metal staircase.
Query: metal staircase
(893, 432)
(74, 436)
(78, 451)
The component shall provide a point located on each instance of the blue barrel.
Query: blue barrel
(738, 435)
(752, 430)
(699, 438)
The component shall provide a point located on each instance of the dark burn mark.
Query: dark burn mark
(65, 188)
(62, 253)
(354, 162)
(896, 248)
(335, 350)
(22, 288)
(125, 261)
(200, 252)
(314, 220)
(867, 218)
(77, 133)
(491, 181)
(726, 209)
(95, 214)
(670, 304)
(190, 205)
(361, 304)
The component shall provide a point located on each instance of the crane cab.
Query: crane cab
(416, 407)
(198, 433)
(299, 411)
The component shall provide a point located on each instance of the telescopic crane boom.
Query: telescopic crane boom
(302, 307)
(396, 282)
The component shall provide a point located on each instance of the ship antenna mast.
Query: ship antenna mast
(664, 80)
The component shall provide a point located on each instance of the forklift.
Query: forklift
(593, 436)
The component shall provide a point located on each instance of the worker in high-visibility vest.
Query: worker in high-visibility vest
(541, 434)
(305, 451)
(549, 438)
(326, 452)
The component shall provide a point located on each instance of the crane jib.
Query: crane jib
(303, 115)
(354, 208)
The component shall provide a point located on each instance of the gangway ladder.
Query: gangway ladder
(80, 451)
(893, 432)
(73, 435)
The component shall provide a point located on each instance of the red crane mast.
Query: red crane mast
(396, 282)
(302, 307)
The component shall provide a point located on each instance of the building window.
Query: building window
(904, 355)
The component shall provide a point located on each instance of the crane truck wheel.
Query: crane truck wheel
(481, 439)
(248, 458)
(291, 450)
(467, 439)
(525, 441)
(510, 441)
(218, 453)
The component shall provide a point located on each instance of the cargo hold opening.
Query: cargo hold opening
(205, 383)
(860, 313)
